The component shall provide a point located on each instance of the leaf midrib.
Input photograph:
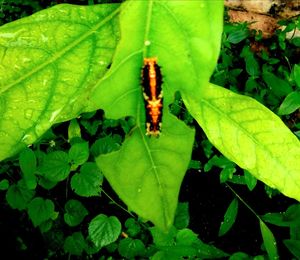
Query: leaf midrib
(142, 134)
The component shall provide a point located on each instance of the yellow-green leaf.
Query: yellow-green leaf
(250, 135)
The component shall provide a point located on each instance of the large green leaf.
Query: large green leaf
(185, 37)
(250, 135)
(49, 63)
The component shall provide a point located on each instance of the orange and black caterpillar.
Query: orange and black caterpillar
(153, 96)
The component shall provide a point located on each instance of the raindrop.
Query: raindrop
(3, 134)
(147, 43)
(28, 139)
(139, 190)
(28, 113)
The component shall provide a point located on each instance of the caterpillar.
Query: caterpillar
(153, 96)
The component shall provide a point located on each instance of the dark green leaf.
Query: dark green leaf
(237, 36)
(4, 184)
(104, 230)
(91, 248)
(290, 104)
(205, 251)
(250, 180)
(40, 210)
(75, 244)
(161, 238)
(55, 166)
(186, 237)
(88, 182)
(18, 195)
(278, 86)
(105, 145)
(251, 84)
(131, 248)
(227, 173)
(133, 227)
(252, 66)
(75, 212)
(182, 216)
(196, 165)
(292, 214)
(241, 256)
(276, 219)
(229, 217)
(269, 241)
(296, 74)
(28, 163)
(46, 226)
(79, 153)
(293, 246)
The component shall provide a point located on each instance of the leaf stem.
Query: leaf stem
(117, 204)
(243, 201)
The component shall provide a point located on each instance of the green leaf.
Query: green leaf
(46, 184)
(74, 129)
(40, 210)
(278, 86)
(75, 212)
(237, 36)
(75, 244)
(290, 104)
(293, 246)
(105, 145)
(150, 186)
(250, 180)
(293, 213)
(27, 161)
(50, 63)
(131, 248)
(296, 74)
(227, 173)
(91, 248)
(161, 238)
(269, 241)
(250, 135)
(276, 219)
(252, 66)
(240, 256)
(46, 226)
(55, 166)
(104, 230)
(186, 237)
(229, 217)
(4, 184)
(206, 251)
(79, 153)
(147, 172)
(182, 216)
(18, 195)
(133, 227)
(88, 182)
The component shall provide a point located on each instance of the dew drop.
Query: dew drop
(3, 134)
(28, 139)
(147, 43)
(139, 190)
(28, 113)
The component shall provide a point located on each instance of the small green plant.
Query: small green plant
(68, 61)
